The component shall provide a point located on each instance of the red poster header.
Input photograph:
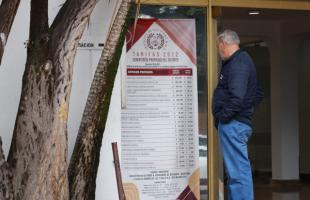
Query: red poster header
(181, 32)
(159, 72)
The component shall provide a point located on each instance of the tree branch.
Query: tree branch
(38, 18)
(8, 11)
(73, 15)
(38, 154)
(85, 158)
(38, 34)
(6, 188)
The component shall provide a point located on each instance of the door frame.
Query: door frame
(214, 185)
(271, 4)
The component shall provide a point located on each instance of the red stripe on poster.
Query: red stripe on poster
(159, 72)
(180, 31)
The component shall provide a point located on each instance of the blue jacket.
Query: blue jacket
(238, 91)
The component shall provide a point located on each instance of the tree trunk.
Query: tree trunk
(8, 11)
(6, 189)
(85, 158)
(38, 154)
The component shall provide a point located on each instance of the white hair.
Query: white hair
(229, 37)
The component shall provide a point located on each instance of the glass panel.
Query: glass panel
(199, 14)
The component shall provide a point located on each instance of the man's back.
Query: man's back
(237, 91)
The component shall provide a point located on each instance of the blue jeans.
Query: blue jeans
(233, 139)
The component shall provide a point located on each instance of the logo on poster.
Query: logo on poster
(155, 40)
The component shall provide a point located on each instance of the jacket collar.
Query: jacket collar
(232, 56)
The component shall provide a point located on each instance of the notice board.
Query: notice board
(159, 139)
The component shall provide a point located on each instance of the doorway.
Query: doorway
(273, 25)
(277, 41)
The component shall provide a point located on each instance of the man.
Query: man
(234, 100)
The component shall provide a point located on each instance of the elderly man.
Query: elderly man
(234, 100)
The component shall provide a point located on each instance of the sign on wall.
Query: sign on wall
(159, 154)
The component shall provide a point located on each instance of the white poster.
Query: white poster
(159, 154)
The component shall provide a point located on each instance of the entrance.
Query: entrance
(281, 117)
(276, 40)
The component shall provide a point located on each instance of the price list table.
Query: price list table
(158, 121)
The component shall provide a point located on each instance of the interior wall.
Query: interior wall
(297, 47)
(260, 143)
(285, 143)
(304, 103)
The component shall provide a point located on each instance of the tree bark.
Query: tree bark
(8, 11)
(6, 189)
(38, 154)
(85, 158)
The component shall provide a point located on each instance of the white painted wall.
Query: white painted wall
(12, 68)
(284, 111)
